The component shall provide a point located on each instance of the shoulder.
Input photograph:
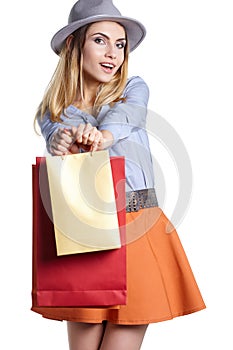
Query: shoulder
(136, 83)
(136, 91)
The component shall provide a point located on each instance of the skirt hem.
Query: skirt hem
(160, 282)
(123, 322)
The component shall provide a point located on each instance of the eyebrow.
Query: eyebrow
(106, 36)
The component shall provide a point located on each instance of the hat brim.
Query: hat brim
(135, 30)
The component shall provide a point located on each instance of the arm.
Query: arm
(90, 139)
(126, 117)
(68, 136)
(115, 125)
(48, 128)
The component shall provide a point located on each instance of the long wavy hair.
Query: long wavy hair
(67, 81)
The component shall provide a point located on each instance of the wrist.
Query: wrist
(107, 139)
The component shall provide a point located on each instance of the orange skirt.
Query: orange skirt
(160, 282)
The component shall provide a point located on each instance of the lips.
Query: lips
(107, 66)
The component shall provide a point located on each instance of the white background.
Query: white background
(187, 61)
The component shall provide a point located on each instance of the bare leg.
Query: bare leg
(84, 336)
(119, 337)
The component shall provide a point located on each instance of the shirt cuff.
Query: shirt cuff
(118, 130)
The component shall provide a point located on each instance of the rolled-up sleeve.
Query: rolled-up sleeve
(47, 127)
(130, 114)
(71, 117)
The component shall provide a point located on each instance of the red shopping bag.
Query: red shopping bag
(89, 279)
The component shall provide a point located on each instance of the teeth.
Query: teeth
(108, 65)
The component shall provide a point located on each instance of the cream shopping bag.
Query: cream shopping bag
(83, 203)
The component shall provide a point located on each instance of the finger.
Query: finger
(68, 132)
(59, 143)
(60, 137)
(58, 151)
(96, 142)
(65, 135)
(88, 134)
(60, 146)
(79, 133)
(73, 131)
(88, 127)
(92, 136)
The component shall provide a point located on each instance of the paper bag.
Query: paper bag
(90, 279)
(83, 202)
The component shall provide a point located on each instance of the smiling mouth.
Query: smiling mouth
(108, 67)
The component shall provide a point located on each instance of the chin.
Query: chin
(106, 79)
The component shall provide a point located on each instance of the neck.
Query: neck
(89, 96)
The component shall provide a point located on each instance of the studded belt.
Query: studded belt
(136, 200)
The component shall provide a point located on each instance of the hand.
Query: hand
(106, 141)
(87, 137)
(61, 142)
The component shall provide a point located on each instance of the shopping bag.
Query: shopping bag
(90, 279)
(83, 202)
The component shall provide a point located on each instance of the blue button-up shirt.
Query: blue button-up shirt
(126, 120)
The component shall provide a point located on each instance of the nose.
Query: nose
(111, 51)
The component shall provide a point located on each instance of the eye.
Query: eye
(121, 45)
(99, 41)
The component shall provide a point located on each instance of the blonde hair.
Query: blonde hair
(67, 81)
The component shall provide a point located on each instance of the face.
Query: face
(103, 51)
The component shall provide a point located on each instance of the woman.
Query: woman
(91, 105)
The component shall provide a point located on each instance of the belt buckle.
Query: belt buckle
(134, 202)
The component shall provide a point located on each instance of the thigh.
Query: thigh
(84, 336)
(119, 337)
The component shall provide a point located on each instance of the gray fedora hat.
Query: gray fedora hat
(89, 11)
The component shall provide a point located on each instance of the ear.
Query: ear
(69, 41)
